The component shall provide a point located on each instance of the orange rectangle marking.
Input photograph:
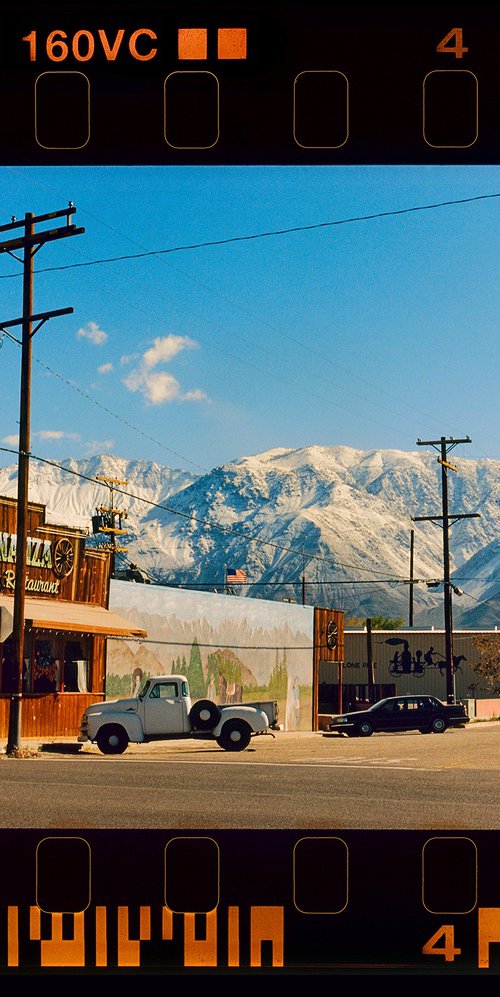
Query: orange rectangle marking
(232, 43)
(192, 43)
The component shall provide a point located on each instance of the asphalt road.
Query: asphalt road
(298, 780)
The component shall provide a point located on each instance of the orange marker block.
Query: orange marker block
(232, 43)
(192, 43)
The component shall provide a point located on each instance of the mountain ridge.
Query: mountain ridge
(340, 516)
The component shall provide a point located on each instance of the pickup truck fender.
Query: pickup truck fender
(130, 722)
(256, 719)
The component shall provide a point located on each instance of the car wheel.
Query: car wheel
(204, 715)
(438, 725)
(365, 728)
(112, 740)
(235, 735)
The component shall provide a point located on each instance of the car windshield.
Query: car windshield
(144, 689)
(376, 706)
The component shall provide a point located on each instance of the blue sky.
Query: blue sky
(369, 334)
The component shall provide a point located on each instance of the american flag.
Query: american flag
(236, 575)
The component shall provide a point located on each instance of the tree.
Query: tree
(194, 672)
(378, 622)
(488, 666)
(278, 680)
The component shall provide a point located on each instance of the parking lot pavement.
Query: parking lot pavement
(308, 747)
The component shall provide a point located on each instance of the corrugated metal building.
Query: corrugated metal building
(405, 662)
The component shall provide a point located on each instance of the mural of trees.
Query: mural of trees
(179, 666)
(226, 663)
(278, 680)
(194, 673)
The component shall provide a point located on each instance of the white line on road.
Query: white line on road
(246, 764)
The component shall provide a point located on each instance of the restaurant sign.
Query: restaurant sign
(57, 557)
(38, 552)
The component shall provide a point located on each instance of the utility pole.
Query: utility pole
(29, 242)
(410, 608)
(443, 446)
(369, 656)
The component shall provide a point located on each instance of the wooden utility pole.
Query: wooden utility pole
(444, 446)
(410, 608)
(30, 242)
(369, 659)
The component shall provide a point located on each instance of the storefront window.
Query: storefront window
(45, 668)
(52, 663)
(76, 666)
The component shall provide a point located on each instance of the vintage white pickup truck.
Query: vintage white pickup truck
(163, 710)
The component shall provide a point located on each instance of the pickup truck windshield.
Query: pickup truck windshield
(144, 689)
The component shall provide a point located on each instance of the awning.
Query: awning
(75, 617)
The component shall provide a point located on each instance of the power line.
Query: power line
(312, 351)
(291, 581)
(286, 336)
(77, 388)
(119, 418)
(262, 235)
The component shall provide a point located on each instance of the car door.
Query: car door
(163, 709)
(388, 715)
(400, 715)
(414, 714)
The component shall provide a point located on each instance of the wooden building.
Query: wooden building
(66, 624)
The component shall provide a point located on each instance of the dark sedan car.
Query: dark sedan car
(424, 713)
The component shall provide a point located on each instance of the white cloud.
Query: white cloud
(93, 333)
(195, 396)
(96, 447)
(158, 386)
(128, 358)
(55, 434)
(105, 368)
(11, 441)
(166, 347)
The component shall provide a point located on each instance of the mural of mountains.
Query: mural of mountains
(340, 516)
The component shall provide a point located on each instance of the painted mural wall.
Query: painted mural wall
(232, 649)
(415, 662)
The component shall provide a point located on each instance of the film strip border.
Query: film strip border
(332, 901)
(293, 83)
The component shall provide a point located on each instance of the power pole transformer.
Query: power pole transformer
(443, 446)
(108, 520)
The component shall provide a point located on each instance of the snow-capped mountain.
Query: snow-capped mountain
(71, 499)
(341, 517)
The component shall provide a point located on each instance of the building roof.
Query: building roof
(75, 617)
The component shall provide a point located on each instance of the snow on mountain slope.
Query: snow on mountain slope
(71, 500)
(337, 515)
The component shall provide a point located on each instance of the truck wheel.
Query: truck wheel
(438, 725)
(112, 740)
(204, 715)
(235, 735)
